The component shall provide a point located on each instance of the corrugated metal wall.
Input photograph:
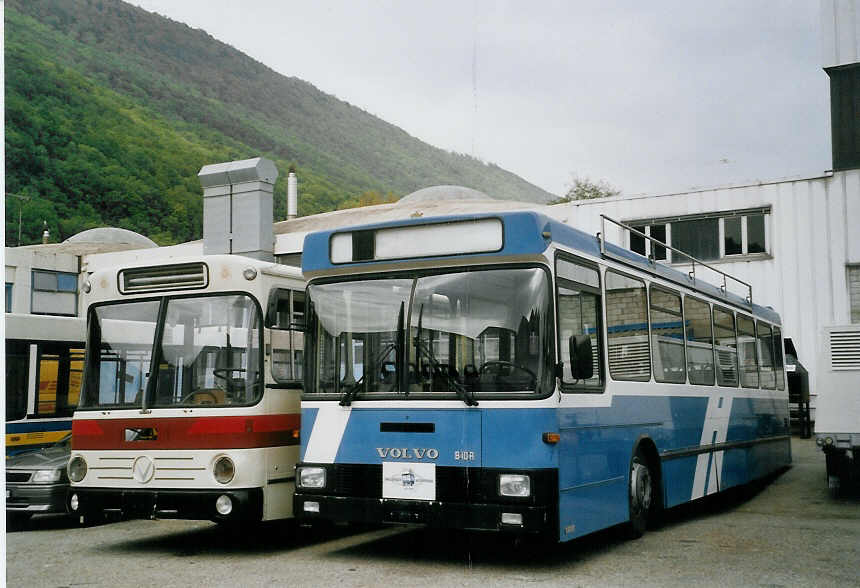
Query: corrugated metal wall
(840, 31)
(813, 234)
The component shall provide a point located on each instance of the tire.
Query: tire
(641, 494)
(834, 470)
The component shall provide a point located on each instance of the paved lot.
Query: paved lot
(787, 533)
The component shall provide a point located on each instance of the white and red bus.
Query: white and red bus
(190, 403)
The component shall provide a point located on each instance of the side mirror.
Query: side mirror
(581, 357)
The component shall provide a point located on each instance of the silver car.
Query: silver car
(37, 482)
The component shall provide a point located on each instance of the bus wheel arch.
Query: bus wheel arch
(644, 487)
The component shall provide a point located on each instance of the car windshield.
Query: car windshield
(454, 334)
(208, 353)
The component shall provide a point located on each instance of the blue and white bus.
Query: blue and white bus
(507, 372)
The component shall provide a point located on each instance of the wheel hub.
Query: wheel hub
(640, 488)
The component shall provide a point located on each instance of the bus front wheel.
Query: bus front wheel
(641, 494)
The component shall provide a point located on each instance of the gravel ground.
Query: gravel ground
(786, 532)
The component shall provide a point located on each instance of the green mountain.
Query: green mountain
(112, 110)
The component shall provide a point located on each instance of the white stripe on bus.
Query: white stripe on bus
(715, 430)
(327, 433)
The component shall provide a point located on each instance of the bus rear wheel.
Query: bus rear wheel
(641, 495)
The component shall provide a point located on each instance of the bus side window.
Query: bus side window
(285, 318)
(727, 347)
(765, 350)
(48, 384)
(747, 355)
(667, 336)
(17, 372)
(627, 328)
(60, 372)
(579, 313)
(778, 361)
(700, 343)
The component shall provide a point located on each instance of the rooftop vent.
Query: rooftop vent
(163, 277)
(238, 209)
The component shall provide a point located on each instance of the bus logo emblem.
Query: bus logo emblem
(407, 453)
(143, 469)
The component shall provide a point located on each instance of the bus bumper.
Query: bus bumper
(246, 504)
(310, 508)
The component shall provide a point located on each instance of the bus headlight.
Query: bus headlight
(223, 470)
(223, 505)
(518, 485)
(77, 468)
(46, 476)
(311, 477)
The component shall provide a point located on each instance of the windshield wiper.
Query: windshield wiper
(351, 392)
(461, 390)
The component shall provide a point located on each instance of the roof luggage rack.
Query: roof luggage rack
(601, 236)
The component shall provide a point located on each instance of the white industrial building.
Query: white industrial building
(796, 241)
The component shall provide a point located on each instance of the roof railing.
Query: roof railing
(601, 236)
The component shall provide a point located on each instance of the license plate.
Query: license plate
(408, 481)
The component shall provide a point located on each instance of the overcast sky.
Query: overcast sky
(650, 96)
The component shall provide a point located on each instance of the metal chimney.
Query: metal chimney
(237, 208)
(292, 196)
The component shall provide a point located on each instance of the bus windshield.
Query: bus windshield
(454, 334)
(208, 353)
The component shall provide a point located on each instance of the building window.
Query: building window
(699, 238)
(54, 293)
(854, 292)
(755, 233)
(8, 297)
(733, 236)
(646, 247)
(708, 237)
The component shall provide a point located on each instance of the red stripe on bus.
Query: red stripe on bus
(210, 432)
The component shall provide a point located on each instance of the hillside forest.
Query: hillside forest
(111, 111)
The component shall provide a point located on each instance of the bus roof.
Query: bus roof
(525, 233)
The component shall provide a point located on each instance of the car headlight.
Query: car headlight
(311, 477)
(47, 476)
(224, 470)
(514, 485)
(77, 468)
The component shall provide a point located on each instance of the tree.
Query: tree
(585, 189)
(369, 198)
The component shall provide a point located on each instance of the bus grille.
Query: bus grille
(164, 277)
(845, 350)
(17, 477)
